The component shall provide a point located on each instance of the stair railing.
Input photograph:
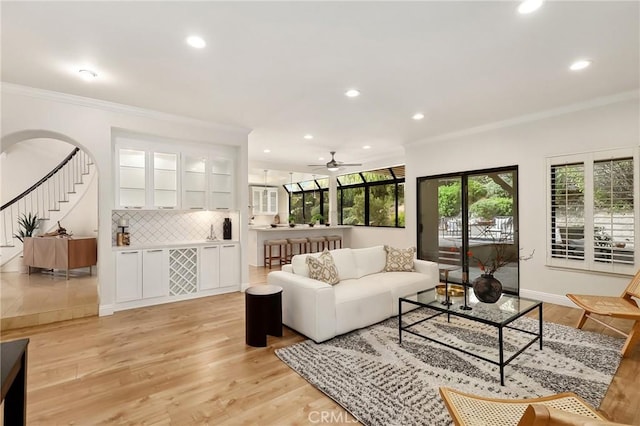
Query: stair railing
(45, 195)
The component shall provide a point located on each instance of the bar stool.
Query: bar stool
(319, 244)
(281, 256)
(336, 240)
(298, 246)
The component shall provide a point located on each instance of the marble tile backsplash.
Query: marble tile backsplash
(165, 226)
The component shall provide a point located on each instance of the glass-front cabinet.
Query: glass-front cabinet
(194, 182)
(132, 178)
(152, 177)
(165, 180)
(221, 183)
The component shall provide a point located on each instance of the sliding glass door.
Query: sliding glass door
(467, 222)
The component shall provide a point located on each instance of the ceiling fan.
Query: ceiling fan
(333, 165)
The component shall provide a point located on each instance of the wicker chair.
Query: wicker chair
(616, 307)
(472, 410)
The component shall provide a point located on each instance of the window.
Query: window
(372, 198)
(308, 198)
(593, 211)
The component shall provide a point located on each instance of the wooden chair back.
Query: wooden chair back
(633, 289)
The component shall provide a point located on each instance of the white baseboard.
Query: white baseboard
(547, 297)
(104, 310)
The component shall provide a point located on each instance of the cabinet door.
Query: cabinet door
(221, 185)
(273, 201)
(132, 178)
(155, 273)
(229, 265)
(194, 182)
(165, 180)
(209, 267)
(128, 276)
(256, 196)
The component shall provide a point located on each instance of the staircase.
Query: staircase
(51, 198)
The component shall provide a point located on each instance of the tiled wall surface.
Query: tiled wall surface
(165, 226)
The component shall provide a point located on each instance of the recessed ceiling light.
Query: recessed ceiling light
(307, 136)
(366, 147)
(418, 116)
(266, 151)
(352, 93)
(320, 158)
(580, 65)
(195, 41)
(87, 75)
(529, 6)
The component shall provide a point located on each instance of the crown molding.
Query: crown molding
(528, 118)
(49, 95)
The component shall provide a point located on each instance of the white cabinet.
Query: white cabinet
(165, 180)
(209, 267)
(132, 178)
(264, 200)
(153, 176)
(128, 275)
(157, 275)
(194, 182)
(221, 186)
(155, 280)
(141, 274)
(229, 265)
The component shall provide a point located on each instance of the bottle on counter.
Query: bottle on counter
(226, 229)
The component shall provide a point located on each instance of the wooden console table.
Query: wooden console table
(60, 253)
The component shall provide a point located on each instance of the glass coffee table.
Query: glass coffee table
(499, 315)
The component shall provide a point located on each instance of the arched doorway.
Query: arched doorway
(51, 176)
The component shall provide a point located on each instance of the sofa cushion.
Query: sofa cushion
(399, 260)
(322, 268)
(369, 260)
(360, 303)
(345, 262)
(399, 284)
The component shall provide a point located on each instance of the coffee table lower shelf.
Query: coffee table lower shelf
(452, 310)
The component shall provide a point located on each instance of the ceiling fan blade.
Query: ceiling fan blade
(349, 164)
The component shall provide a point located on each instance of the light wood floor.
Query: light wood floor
(46, 297)
(187, 363)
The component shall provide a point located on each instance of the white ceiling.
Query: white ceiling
(281, 68)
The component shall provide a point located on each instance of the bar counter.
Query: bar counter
(258, 234)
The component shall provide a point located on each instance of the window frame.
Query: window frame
(589, 263)
(393, 180)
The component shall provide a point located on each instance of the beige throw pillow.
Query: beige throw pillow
(323, 268)
(399, 260)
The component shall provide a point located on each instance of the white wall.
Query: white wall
(527, 145)
(365, 236)
(90, 124)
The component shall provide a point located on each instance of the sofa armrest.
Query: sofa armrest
(308, 305)
(428, 268)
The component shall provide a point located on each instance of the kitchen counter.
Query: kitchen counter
(172, 244)
(297, 228)
(258, 234)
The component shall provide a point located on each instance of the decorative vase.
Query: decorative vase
(487, 288)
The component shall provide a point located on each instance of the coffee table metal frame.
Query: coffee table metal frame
(455, 310)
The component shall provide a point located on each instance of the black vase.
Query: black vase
(226, 229)
(487, 288)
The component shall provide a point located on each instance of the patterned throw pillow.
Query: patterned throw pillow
(399, 260)
(322, 268)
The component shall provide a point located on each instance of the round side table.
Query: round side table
(263, 313)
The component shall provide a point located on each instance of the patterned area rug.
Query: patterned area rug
(382, 383)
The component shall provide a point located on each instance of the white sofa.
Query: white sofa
(365, 294)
